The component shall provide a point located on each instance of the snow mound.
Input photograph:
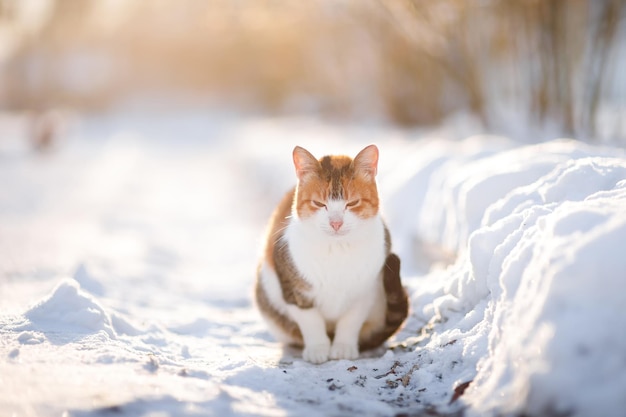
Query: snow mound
(553, 271)
(535, 303)
(70, 310)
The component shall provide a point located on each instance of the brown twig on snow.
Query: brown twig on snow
(459, 390)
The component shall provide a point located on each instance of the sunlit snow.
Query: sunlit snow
(128, 255)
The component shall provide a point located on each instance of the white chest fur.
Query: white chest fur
(342, 270)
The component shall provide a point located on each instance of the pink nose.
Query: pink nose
(336, 224)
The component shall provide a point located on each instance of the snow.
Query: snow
(128, 256)
(69, 310)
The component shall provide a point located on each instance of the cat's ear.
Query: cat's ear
(304, 162)
(366, 161)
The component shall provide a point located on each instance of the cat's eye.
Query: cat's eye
(318, 204)
(352, 203)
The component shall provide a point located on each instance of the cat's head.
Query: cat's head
(336, 192)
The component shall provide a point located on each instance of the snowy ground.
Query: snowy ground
(127, 257)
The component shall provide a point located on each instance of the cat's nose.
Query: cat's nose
(336, 224)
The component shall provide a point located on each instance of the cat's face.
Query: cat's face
(336, 192)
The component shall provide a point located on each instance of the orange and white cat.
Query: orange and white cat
(328, 280)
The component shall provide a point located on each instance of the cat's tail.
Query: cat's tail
(397, 304)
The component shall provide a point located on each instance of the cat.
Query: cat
(328, 281)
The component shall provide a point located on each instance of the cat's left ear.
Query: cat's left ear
(366, 161)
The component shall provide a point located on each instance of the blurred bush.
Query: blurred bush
(268, 54)
(414, 62)
(550, 63)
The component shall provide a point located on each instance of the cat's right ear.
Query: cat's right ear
(304, 162)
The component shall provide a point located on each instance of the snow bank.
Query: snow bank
(554, 279)
(535, 301)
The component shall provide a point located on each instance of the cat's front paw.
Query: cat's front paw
(316, 353)
(344, 351)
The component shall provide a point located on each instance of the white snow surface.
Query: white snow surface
(128, 255)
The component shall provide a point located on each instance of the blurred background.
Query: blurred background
(530, 69)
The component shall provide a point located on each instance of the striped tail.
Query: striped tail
(397, 304)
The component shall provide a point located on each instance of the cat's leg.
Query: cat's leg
(346, 340)
(313, 329)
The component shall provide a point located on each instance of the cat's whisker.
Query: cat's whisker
(279, 232)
